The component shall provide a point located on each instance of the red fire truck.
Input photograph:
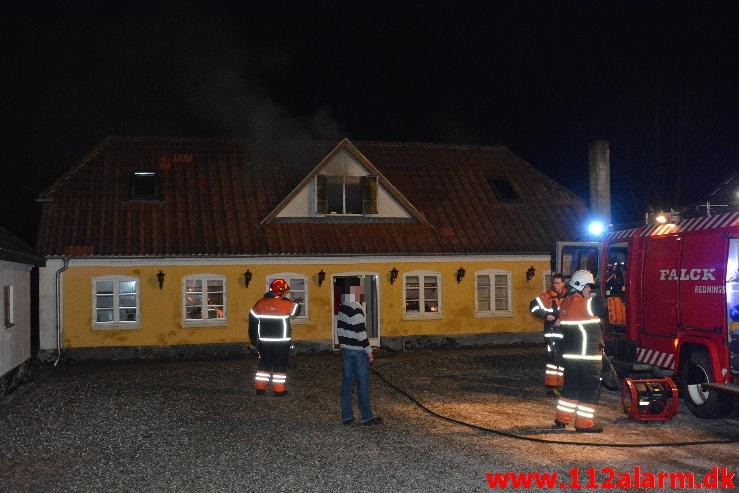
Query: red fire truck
(672, 292)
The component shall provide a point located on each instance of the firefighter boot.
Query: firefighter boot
(584, 419)
(565, 412)
(553, 379)
(261, 382)
(278, 384)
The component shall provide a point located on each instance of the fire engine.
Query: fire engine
(672, 293)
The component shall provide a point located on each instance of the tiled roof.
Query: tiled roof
(216, 193)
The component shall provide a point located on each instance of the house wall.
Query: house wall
(161, 309)
(15, 341)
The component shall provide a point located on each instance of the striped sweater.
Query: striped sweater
(350, 327)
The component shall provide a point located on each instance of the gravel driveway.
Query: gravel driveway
(197, 426)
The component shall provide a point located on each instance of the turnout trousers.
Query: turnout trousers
(272, 366)
(580, 393)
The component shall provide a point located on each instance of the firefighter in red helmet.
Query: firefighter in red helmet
(581, 349)
(271, 334)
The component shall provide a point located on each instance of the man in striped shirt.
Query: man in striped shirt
(356, 357)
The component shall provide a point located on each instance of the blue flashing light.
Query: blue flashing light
(596, 228)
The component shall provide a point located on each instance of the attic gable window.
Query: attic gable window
(144, 185)
(346, 194)
(503, 190)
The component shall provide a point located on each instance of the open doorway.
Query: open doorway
(341, 284)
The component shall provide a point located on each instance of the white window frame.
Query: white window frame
(422, 314)
(204, 304)
(356, 183)
(116, 323)
(492, 311)
(367, 189)
(9, 305)
(299, 296)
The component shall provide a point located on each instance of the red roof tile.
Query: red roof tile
(216, 193)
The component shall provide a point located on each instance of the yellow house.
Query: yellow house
(156, 245)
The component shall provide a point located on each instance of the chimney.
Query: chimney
(600, 180)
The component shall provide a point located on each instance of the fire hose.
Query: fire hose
(507, 434)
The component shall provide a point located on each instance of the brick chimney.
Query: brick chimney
(600, 180)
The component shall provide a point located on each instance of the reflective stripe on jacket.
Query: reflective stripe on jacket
(580, 325)
(547, 303)
(269, 319)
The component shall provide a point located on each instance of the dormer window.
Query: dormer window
(144, 185)
(346, 194)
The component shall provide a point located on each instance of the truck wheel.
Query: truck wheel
(704, 404)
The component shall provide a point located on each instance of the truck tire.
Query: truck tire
(703, 404)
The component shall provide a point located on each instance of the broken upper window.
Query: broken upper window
(144, 185)
(346, 194)
(503, 190)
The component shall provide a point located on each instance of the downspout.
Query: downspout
(59, 310)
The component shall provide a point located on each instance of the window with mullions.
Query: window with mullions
(204, 298)
(116, 301)
(346, 194)
(493, 293)
(422, 294)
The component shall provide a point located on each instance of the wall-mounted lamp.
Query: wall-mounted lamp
(530, 273)
(247, 277)
(160, 279)
(321, 277)
(460, 274)
(393, 275)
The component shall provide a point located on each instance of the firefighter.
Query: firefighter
(546, 307)
(270, 332)
(581, 349)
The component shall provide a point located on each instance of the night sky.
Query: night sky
(657, 79)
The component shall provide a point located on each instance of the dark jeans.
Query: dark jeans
(355, 365)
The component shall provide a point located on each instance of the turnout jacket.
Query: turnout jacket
(269, 319)
(547, 303)
(579, 319)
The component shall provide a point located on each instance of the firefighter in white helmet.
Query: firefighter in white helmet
(270, 332)
(581, 348)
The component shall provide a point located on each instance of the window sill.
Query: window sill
(116, 326)
(493, 314)
(203, 324)
(423, 316)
